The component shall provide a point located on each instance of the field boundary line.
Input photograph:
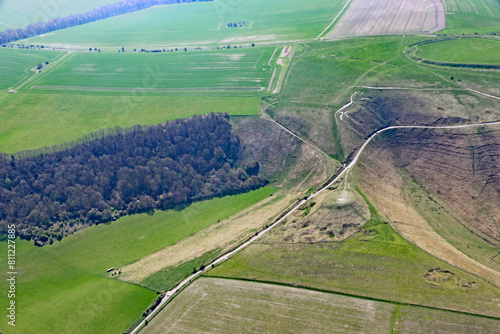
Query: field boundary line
(333, 21)
(352, 295)
(64, 59)
(169, 294)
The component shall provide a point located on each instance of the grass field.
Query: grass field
(471, 16)
(20, 13)
(201, 24)
(463, 50)
(16, 64)
(31, 121)
(218, 70)
(233, 306)
(376, 262)
(62, 286)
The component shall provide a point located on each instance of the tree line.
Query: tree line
(100, 13)
(50, 195)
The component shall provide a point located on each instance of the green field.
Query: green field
(376, 262)
(62, 286)
(20, 13)
(202, 24)
(268, 308)
(239, 70)
(463, 50)
(31, 121)
(16, 64)
(471, 16)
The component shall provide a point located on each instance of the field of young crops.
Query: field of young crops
(16, 65)
(19, 13)
(201, 24)
(238, 70)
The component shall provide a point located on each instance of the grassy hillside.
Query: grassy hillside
(62, 286)
(201, 24)
(464, 50)
(376, 262)
(32, 121)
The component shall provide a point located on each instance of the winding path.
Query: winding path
(226, 256)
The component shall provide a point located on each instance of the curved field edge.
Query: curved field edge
(375, 263)
(255, 306)
(462, 50)
(66, 280)
(458, 52)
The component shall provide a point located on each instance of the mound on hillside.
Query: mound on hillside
(338, 216)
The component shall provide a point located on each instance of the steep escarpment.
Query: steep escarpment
(461, 167)
(376, 110)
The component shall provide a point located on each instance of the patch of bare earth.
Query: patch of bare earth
(332, 216)
(380, 17)
(461, 168)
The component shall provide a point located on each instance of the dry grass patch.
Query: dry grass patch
(224, 235)
(212, 305)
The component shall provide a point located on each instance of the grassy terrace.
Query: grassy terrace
(62, 286)
(463, 50)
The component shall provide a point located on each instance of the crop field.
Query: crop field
(259, 308)
(16, 64)
(202, 24)
(28, 118)
(241, 70)
(463, 50)
(470, 16)
(376, 262)
(380, 17)
(229, 306)
(20, 13)
(65, 280)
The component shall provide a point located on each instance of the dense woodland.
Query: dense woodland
(136, 170)
(118, 8)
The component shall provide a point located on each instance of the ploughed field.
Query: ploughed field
(380, 17)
